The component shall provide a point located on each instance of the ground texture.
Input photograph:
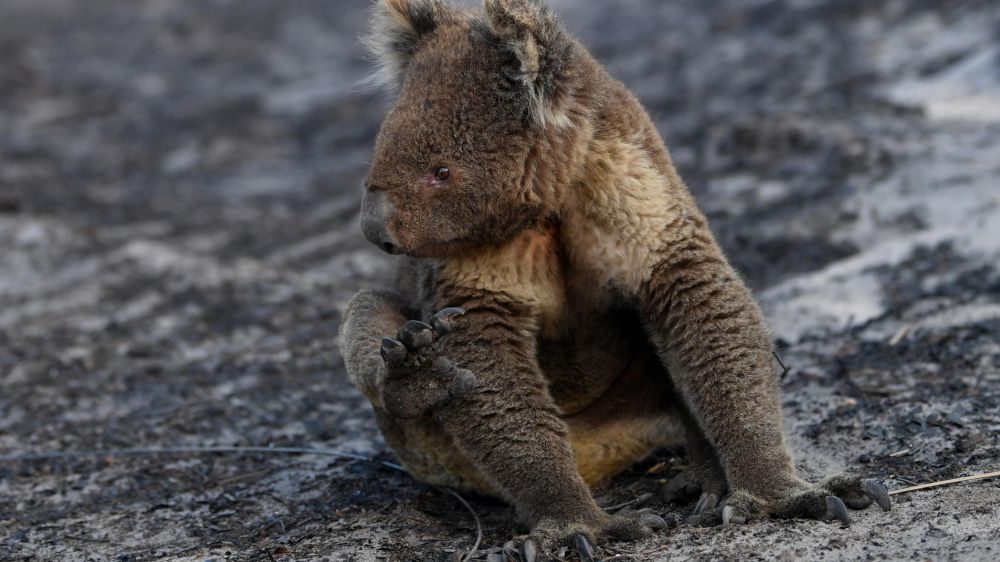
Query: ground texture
(179, 184)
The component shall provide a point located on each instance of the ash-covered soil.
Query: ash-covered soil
(179, 184)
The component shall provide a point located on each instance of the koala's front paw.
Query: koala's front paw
(827, 500)
(418, 376)
(548, 537)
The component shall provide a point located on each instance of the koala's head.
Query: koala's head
(456, 161)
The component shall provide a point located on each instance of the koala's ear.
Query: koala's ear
(395, 32)
(532, 32)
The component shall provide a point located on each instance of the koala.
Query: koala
(561, 308)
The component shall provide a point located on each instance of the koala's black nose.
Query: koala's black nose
(376, 212)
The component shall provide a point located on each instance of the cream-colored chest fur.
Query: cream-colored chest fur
(526, 269)
(619, 215)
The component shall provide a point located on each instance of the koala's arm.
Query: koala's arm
(510, 426)
(711, 336)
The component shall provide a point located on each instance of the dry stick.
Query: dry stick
(641, 499)
(479, 525)
(56, 455)
(946, 482)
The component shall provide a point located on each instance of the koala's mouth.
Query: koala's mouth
(390, 248)
(440, 249)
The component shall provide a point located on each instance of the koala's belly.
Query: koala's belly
(615, 397)
(633, 417)
(590, 356)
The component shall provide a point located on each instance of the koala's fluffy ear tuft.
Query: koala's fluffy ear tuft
(395, 32)
(532, 32)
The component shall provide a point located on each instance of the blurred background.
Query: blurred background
(179, 190)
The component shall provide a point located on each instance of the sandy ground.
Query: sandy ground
(179, 185)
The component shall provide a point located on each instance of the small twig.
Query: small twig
(479, 525)
(140, 451)
(656, 468)
(946, 482)
(642, 498)
(899, 335)
(655, 550)
(257, 475)
(784, 369)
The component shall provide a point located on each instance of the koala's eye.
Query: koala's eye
(442, 174)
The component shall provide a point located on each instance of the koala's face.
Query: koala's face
(448, 170)
(463, 158)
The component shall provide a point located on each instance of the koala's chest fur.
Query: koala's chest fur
(527, 270)
(580, 275)
(587, 332)
(619, 216)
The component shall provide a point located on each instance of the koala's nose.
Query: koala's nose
(376, 211)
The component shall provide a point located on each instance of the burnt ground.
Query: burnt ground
(179, 185)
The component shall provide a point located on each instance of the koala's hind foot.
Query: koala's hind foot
(709, 489)
(704, 477)
(548, 538)
(418, 375)
(827, 500)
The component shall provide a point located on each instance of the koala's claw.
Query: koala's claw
(706, 512)
(876, 491)
(416, 335)
(635, 525)
(551, 543)
(856, 492)
(653, 522)
(704, 482)
(393, 351)
(442, 321)
(419, 377)
(583, 548)
(836, 509)
(705, 502)
(829, 501)
(529, 550)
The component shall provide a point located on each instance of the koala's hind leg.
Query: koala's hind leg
(704, 478)
(711, 335)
